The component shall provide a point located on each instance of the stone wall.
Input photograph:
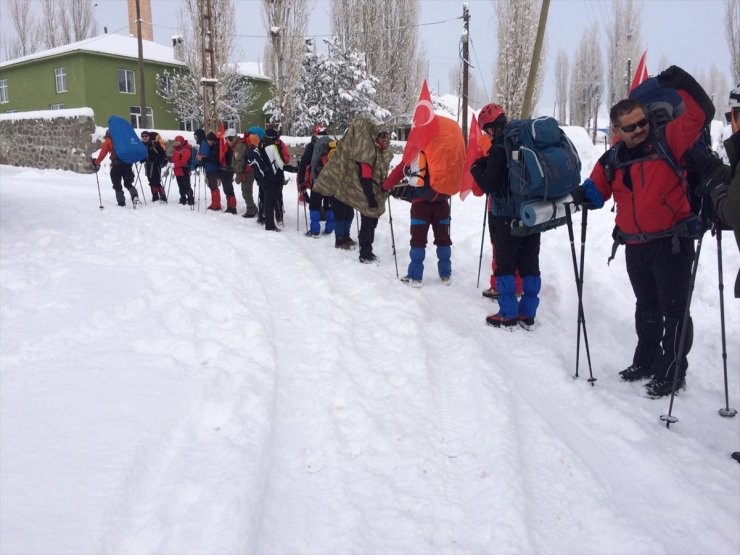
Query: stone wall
(48, 140)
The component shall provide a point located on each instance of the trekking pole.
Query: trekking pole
(393, 237)
(305, 213)
(726, 411)
(579, 291)
(668, 418)
(169, 181)
(297, 213)
(102, 208)
(197, 183)
(482, 235)
(584, 224)
(138, 180)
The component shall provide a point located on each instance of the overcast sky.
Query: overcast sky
(689, 33)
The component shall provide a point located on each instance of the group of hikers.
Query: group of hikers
(644, 172)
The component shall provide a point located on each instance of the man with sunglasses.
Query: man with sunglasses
(655, 222)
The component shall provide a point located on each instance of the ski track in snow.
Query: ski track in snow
(284, 398)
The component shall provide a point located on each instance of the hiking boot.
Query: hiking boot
(183, 201)
(248, 214)
(162, 198)
(155, 198)
(122, 203)
(636, 372)
(368, 259)
(490, 293)
(499, 321)
(230, 211)
(415, 283)
(350, 242)
(273, 229)
(217, 209)
(446, 280)
(526, 323)
(661, 387)
(261, 220)
(135, 201)
(313, 234)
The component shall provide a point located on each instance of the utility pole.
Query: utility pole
(208, 80)
(465, 70)
(534, 66)
(142, 95)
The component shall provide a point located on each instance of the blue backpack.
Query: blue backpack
(544, 167)
(126, 142)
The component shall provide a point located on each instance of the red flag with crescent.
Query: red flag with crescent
(641, 74)
(423, 126)
(473, 152)
(222, 145)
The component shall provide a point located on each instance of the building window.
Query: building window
(138, 122)
(166, 84)
(189, 125)
(60, 76)
(3, 91)
(56, 107)
(232, 124)
(126, 82)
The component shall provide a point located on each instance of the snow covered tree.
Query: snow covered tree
(183, 92)
(516, 28)
(561, 85)
(194, 27)
(625, 42)
(27, 37)
(586, 80)
(732, 20)
(335, 88)
(285, 22)
(385, 31)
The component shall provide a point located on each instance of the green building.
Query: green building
(102, 73)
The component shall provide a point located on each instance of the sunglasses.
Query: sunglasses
(630, 128)
(728, 115)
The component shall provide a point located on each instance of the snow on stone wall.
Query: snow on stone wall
(51, 139)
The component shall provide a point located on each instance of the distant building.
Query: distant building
(102, 73)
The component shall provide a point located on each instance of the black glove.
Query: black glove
(367, 188)
(289, 168)
(703, 162)
(304, 194)
(674, 77)
(402, 193)
(579, 195)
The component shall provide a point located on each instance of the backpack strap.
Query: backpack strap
(690, 228)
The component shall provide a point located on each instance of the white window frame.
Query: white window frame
(129, 84)
(166, 82)
(56, 107)
(4, 96)
(135, 117)
(60, 79)
(188, 125)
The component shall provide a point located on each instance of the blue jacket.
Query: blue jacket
(205, 153)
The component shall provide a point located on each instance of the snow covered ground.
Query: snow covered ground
(176, 381)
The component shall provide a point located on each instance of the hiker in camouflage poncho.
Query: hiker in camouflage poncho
(353, 176)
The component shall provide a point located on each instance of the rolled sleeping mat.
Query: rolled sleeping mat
(535, 212)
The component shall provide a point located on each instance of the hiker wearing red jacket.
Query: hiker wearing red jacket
(181, 162)
(655, 222)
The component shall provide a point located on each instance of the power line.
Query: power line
(373, 31)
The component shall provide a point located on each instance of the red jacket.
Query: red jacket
(181, 159)
(658, 200)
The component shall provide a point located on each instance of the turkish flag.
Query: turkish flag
(641, 74)
(423, 126)
(474, 151)
(222, 144)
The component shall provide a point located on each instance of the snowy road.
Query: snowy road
(181, 382)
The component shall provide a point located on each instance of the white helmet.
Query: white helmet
(735, 98)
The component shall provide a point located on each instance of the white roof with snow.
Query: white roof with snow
(254, 70)
(115, 45)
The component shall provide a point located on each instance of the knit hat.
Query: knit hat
(211, 136)
(180, 139)
(200, 134)
(272, 134)
(257, 131)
